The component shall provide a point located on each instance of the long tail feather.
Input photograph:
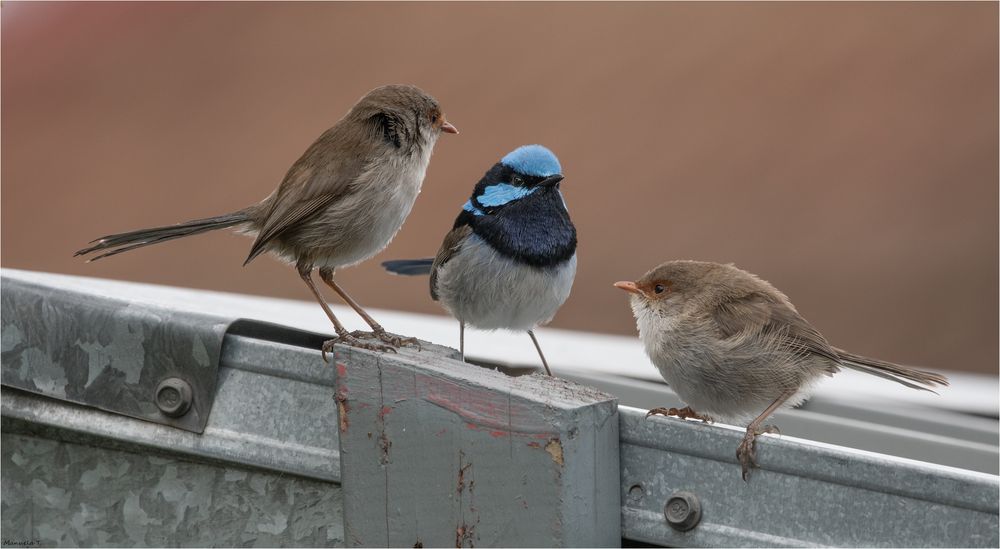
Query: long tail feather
(906, 375)
(123, 242)
(409, 267)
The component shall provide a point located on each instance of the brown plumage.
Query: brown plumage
(452, 241)
(734, 347)
(340, 203)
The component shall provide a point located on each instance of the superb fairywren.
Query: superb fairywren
(339, 204)
(510, 259)
(733, 347)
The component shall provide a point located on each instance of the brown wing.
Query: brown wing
(452, 242)
(323, 174)
(757, 314)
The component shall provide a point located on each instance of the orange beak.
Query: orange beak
(446, 126)
(628, 287)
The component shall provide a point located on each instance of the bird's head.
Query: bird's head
(402, 115)
(666, 289)
(523, 172)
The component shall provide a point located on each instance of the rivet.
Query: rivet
(682, 511)
(174, 396)
(635, 494)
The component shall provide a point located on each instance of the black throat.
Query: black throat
(535, 230)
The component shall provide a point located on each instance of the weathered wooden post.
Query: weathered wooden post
(436, 452)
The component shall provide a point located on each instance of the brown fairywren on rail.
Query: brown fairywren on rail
(734, 348)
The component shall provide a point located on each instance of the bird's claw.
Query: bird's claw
(386, 337)
(746, 452)
(353, 341)
(683, 413)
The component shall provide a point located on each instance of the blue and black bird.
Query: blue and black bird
(510, 259)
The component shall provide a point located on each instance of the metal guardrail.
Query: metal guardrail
(804, 494)
(273, 410)
(938, 436)
(267, 467)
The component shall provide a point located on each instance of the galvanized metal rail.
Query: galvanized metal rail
(804, 494)
(267, 467)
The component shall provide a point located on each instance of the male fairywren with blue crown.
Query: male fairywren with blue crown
(510, 259)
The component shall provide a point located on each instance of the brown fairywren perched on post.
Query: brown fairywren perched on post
(339, 204)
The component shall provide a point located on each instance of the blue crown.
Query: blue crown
(533, 160)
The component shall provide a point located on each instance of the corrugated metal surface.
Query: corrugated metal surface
(939, 436)
(274, 409)
(58, 493)
(805, 493)
(108, 353)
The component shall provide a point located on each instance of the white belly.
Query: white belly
(363, 222)
(489, 291)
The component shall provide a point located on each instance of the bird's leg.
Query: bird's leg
(378, 332)
(746, 452)
(539, 349)
(461, 338)
(343, 336)
(683, 413)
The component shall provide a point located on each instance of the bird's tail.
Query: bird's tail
(114, 244)
(911, 377)
(409, 267)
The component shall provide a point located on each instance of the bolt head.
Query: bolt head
(174, 396)
(682, 511)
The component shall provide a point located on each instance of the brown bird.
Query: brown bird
(339, 204)
(734, 348)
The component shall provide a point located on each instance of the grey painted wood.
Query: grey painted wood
(435, 452)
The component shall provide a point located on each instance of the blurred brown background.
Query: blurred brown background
(846, 152)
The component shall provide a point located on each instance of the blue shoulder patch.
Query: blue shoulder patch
(533, 160)
(472, 209)
(502, 193)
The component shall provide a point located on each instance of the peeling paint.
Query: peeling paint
(461, 477)
(555, 449)
(384, 444)
(465, 534)
(342, 410)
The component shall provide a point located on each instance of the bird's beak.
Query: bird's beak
(628, 287)
(551, 181)
(446, 127)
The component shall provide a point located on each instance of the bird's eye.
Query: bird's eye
(434, 117)
(658, 288)
(517, 180)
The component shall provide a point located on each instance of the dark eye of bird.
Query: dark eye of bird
(517, 180)
(658, 288)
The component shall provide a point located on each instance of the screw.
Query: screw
(682, 511)
(174, 396)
